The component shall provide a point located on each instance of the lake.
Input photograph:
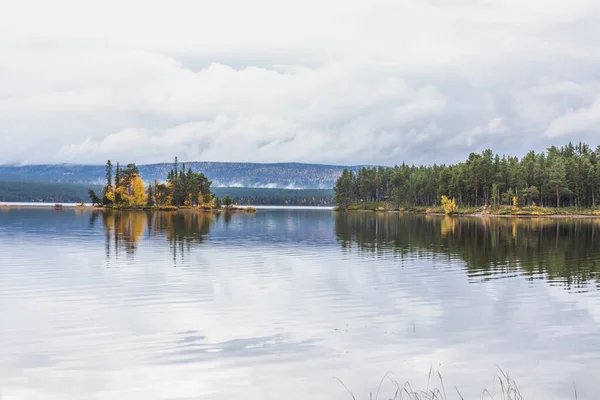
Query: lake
(276, 305)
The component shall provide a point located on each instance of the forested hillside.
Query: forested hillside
(565, 176)
(283, 175)
(277, 197)
(71, 193)
(44, 192)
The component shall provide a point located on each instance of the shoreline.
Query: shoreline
(520, 213)
(475, 215)
(58, 206)
(259, 207)
(546, 213)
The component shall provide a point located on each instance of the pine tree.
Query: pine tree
(150, 202)
(343, 190)
(94, 198)
(109, 173)
(557, 176)
(118, 175)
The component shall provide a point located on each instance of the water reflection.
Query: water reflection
(560, 250)
(270, 303)
(123, 230)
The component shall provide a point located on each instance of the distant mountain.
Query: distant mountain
(253, 175)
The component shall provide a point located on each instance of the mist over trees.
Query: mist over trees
(559, 177)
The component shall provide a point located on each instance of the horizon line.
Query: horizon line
(203, 162)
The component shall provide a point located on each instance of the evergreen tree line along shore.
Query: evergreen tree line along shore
(560, 180)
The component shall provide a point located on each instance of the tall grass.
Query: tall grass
(505, 388)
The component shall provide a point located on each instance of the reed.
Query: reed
(505, 388)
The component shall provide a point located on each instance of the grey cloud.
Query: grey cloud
(415, 81)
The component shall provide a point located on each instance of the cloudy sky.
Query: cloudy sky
(330, 81)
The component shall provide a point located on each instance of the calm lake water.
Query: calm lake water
(136, 305)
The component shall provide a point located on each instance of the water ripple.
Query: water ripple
(137, 305)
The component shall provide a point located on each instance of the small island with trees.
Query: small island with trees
(182, 190)
(560, 181)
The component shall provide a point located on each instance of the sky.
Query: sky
(328, 81)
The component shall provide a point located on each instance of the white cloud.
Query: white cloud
(586, 118)
(339, 82)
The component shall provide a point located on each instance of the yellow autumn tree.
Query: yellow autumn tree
(123, 195)
(138, 192)
(169, 198)
(110, 194)
(449, 206)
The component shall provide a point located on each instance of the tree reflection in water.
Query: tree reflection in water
(562, 250)
(124, 229)
(559, 250)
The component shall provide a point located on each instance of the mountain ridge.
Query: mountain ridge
(289, 175)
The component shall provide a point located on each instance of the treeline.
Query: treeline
(565, 176)
(73, 193)
(182, 188)
(277, 197)
(43, 192)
